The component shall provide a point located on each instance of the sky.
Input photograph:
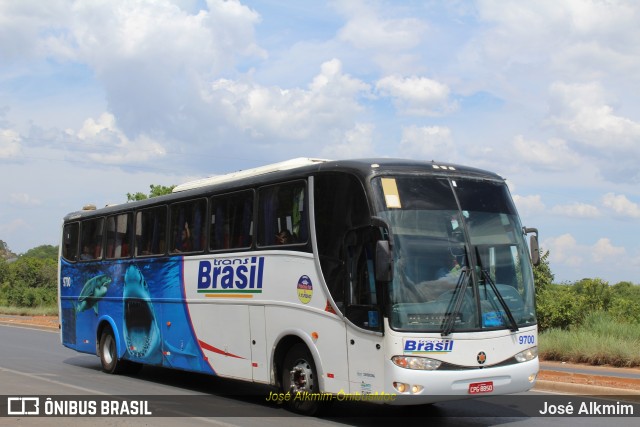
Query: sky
(102, 98)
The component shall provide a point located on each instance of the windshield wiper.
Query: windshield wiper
(503, 303)
(489, 280)
(456, 301)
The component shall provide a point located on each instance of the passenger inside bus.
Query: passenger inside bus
(86, 253)
(184, 243)
(284, 237)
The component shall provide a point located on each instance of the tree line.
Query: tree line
(31, 279)
(563, 306)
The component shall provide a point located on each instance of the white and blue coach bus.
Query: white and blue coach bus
(368, 278)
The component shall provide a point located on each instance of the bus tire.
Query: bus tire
(300, 379)
(108, 352)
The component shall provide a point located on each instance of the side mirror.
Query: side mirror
(384, 261)
(533, 243)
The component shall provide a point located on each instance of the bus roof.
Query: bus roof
(296, 168)
(235, 176)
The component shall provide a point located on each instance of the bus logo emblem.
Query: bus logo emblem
(231, 277)
(425, 345)
(481, 358)
(305, 289)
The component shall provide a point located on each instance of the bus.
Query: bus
(392, 281)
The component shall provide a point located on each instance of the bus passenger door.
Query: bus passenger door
(364, 330)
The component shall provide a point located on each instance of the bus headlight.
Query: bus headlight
(421, 363)
(528, 354)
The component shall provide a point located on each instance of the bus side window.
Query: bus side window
(282, 215)
(150, 231)
(119, 234)
(188, 226)
(70, 241)
(91, 232)
(231, 221)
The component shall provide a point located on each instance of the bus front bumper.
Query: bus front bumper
(415, 387)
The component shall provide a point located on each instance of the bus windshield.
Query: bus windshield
(460, 258)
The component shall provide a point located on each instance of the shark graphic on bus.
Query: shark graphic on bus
(141, 331)
(94, 289)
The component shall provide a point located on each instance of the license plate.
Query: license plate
(485, 387)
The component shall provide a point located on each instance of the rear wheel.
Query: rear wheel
(300, 378)
(108, 352)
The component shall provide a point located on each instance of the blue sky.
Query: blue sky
(102, 98)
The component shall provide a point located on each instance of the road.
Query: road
(33, 362)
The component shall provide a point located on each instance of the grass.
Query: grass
(30, 311)
(600, 340)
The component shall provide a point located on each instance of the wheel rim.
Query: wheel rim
(301, 377)
(108, 349)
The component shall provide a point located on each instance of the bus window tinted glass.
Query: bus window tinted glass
(151, 231)
(188, 226)
(232, 221)
(91, 233)
(119, 232)
(70, 241)
(283, 219)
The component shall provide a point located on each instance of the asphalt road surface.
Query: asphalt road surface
(34, 363)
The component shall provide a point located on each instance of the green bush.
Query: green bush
(31, 280)
(558, 306)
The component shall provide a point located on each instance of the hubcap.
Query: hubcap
(301, 377)
(108, 349)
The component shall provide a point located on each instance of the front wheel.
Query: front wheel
(300, 378)
(108, 352)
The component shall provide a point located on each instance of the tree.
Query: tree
(558, 306)
(155, 191)
(5, 252)
(542, 275)
(29, 282)
(595, 293)
(42, 252)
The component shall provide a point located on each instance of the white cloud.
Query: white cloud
(564, 250)
(585, 36)
(528, 206)
(604, 251)
(427, 143)
(418, 96)
(101, 140)
(581, 112)
(552, 155)
(621, 205)
(356, 143)
(388, 36)
(366, 29)
(9, 143)
(23, 199)
(154, 59)
(577, 210)
(602, 254)
(27, 26)
(322, 113)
